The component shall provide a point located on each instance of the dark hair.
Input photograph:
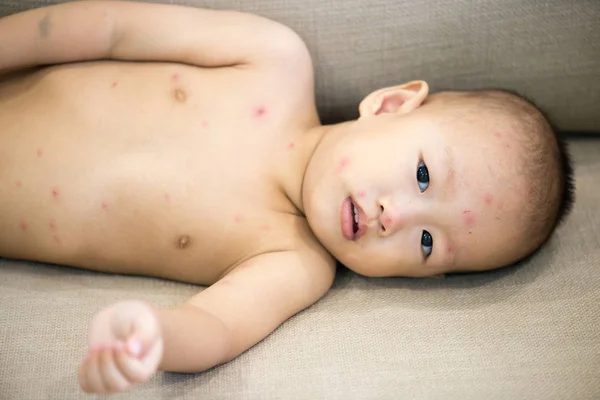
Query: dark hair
(548, 164)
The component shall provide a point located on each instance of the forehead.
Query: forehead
(485, 205)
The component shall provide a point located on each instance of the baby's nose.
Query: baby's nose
(390, 218)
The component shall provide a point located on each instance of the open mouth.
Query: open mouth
(350, 219)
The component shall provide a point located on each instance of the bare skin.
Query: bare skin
(207, 163)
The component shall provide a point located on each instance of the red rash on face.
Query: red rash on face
(259, 111)
(362, 194)
(498, 135)
(291, 146)
(488, 198)
(40, 152)
(469, 218)
(344, 162)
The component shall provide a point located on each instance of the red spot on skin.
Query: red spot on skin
(362, 194)
(18, 183)
(344, 162)
(259, 111)
(175, 77)
(291, 146)
(114, 85)
(55, 193)
(450, 250)
(226, 282)
(488, 198)
(238, 218)
(52, 225)
(500, 205)
(387, 220)
(56, 239)
(507, 146)
(265, 227)
(205, 124)
(40, 152)
(498, 135)
(469, 218)
(167, 198)
(23, 225)
(104, 206)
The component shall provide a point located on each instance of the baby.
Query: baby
(185, 144)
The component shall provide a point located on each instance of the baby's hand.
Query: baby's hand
(126, 347)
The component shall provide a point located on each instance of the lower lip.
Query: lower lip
(347, 219)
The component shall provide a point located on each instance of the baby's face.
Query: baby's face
(416, 195)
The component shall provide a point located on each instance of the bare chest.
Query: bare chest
(153, 171)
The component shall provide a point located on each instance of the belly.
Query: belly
(115, 169)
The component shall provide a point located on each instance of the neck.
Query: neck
(294, 165)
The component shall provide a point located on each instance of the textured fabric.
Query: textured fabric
(531, 332)
(548, 50)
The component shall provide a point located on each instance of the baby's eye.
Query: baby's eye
(422, 176)
(426, 243)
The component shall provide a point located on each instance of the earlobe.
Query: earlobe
(396, 99)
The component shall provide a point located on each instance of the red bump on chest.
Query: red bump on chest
(488, 199)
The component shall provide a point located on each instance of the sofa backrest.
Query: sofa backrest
(548, 50)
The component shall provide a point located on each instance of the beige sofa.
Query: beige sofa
(531, 332)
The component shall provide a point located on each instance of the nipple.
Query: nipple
(183, 242)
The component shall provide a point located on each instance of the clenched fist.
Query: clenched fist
(126, 347)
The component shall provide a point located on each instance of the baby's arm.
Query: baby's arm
(239, 311)
(211, 328)
(93, 30)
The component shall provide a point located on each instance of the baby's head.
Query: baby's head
(422, 185)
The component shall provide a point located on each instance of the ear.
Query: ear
(400, 99)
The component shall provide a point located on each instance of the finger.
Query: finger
(111, 377)
(92, 373)
(132, 368)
